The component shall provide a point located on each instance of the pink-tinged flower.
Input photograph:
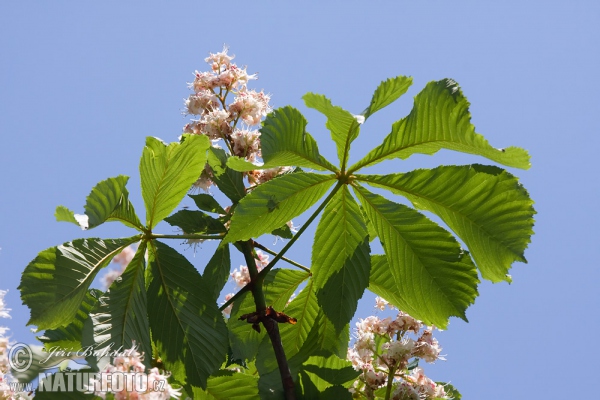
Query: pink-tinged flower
(261, 176)
(375, 379)
(246, 144)
(218, 60)
(125, 256)
(398, 351)
(203, 101)
(227, 310)
(251, 106)
(428, 347)
(380, 303)
(204, 81)
(234, 77)
(216, 124)
(204, 182)
(262, 260)
(405, 391)
(241, 277)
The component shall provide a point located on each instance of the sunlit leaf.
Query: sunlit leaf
(440, 119)
(340, 258)
(344, 126)
(387, 92)
(55, 283)
(187, 327)
(276, 202)
(167, 173)
(121, 316)
(108, 201)
(485, 206)
(430, 271)
(285, 142)
(229, 181)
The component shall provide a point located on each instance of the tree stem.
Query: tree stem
(269, 324)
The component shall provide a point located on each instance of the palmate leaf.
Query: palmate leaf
(55, 283)
(484, 205)
(431, 272)
(229, 181)
(228, 385)
(108, 201)
(440, 119)
(274, 203)
(343, 126)
(168, 171)
(70, 336)
(187, 327)
(386, 93)
(285, 142)
(121, 317)
(340, 258)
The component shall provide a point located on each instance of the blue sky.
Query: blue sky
(83, 85)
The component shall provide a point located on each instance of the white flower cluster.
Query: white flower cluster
(382, 351)
(232, 122)
(6, 392)
(128, 367)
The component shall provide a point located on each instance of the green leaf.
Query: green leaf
(340, 258)
(125, 213)
(276, 202)
(387, 92)
(332, 370)
(485, 206)
(55, 283)
(38, 360)
(284, 232)
(63, 214)
(187, 326)
(343, 126)
(167, 173)
(230, 182)
(312, 333)
(428, 268)
(216, 272)
(440, 119)
(121, 316)
(280, 284)
(228, 385)
(285, 142)
(108, 201)
(70, 336)
(195, 222)
(207, 202)
(241, 164)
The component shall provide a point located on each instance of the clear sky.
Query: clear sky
(82, 85)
